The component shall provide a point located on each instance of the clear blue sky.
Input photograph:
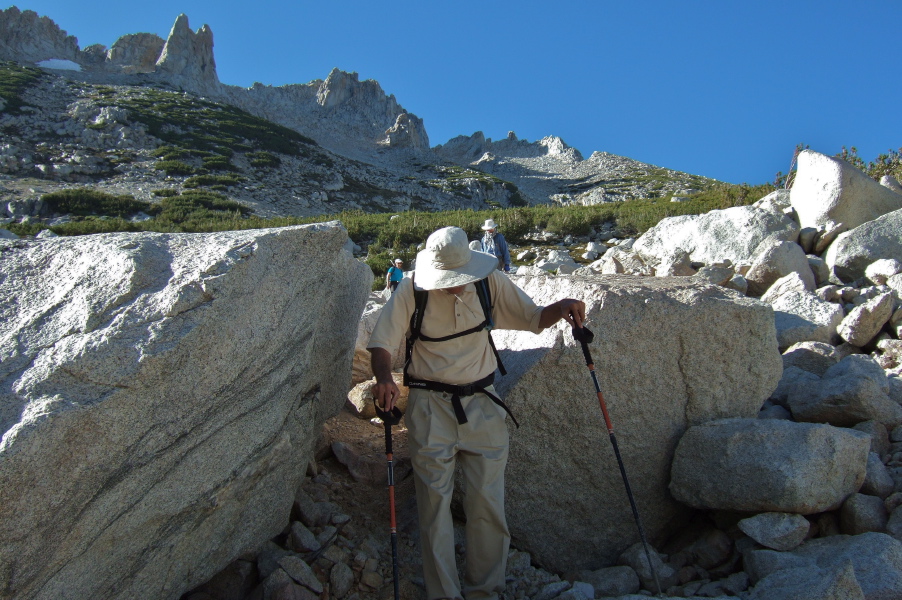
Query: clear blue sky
(724, 88)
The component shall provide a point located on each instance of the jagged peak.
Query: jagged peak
(180, 25)
(187, 57)
(340, 86)
(29, 37)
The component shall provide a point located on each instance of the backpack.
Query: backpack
(416, 322)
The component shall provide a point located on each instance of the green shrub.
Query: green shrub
(86, 201)
(92, 225)
(193, 124)
(23, 229)
(166, 192)
(885, 164)
(14, 80)
(197, 205)
(208, 180)
(175, 167)
(170, 153)
(218, 163)
(203, 211)
(263, 159)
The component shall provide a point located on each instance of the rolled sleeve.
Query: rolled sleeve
(394, 320)
(513, 308)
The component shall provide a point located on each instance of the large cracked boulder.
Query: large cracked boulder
(161, 395)
(768, 465)
(669, 353)
(731, 234)
(829, 193)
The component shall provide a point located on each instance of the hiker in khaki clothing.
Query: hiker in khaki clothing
(453, 411)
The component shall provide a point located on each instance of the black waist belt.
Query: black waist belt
(456, 391)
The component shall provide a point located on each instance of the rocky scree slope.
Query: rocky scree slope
(139, 140)
(387, 163)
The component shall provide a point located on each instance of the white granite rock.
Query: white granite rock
(809, 583)
(803, 317)
(851, 252)
(888, 181)
(864, 322)
(815, 357)
(756, 465)
(648, 380)
(161, 391)
(734, 234)
(850, 392)
(878, 482)
(788, 283)
(775, 260)
(862, 514)
(828, 191)
(881, 270)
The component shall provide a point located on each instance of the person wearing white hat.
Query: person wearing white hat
(465, 423)
(394, 275)
(494, 243)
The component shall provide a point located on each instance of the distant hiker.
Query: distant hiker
(449, 303)
(394, 275)
(494, 243)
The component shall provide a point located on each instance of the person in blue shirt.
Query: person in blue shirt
(494, 243)
(394, 275)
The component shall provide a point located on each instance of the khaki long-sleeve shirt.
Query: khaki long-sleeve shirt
(467, 358)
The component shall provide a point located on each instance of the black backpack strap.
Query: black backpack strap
(416, 323)
(497, 356)
(485, 298)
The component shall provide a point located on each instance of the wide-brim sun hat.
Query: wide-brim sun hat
(448, 261)
(489, 224)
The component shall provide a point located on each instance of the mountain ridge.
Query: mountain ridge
(349, 118)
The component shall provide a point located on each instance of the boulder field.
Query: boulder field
(163, 397)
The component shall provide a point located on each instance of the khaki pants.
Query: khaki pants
(436, 443)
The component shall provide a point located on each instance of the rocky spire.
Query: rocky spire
(187, 57)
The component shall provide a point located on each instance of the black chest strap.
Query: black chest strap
(484, 294)
(458, 391)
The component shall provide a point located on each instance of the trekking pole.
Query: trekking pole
(584, 337)
(390, 418)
